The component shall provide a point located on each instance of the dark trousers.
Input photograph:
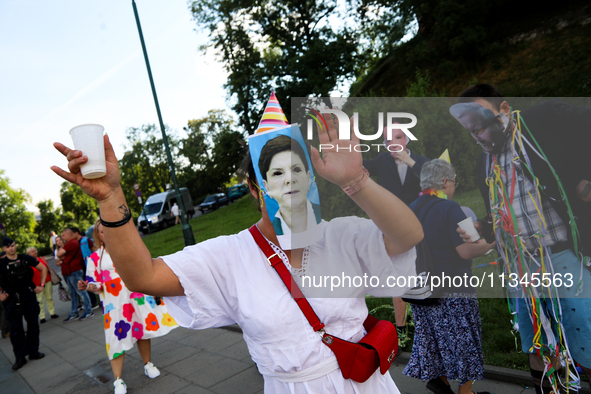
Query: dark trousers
(4, 327)
(23, 344)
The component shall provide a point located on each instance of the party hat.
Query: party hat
(273, 117)
(445, 156)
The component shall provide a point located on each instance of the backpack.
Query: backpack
(421, 294)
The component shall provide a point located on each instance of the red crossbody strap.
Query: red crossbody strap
(276, 262)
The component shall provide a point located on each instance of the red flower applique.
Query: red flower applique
(113, 286)
(152, 323)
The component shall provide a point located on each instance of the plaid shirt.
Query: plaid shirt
(529, 223)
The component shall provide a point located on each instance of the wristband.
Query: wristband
(120, 223)
(354, 188)
(42, 285)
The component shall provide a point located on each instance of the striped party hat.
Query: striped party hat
(273, 117)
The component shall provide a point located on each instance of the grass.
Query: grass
(501, 347)
(225, 221)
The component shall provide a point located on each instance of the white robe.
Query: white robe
(227, 280)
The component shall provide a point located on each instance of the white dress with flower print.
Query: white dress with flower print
(127, 316)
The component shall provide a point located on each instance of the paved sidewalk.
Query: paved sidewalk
(207, 361)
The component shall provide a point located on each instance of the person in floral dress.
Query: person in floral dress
(128, 317)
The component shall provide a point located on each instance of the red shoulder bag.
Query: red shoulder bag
(357, 361)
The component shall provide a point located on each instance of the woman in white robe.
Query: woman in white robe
(227, 280)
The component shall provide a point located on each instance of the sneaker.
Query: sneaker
(151, 371)
(95, 306)
(54, 316)
(120, 387)
(72, 318)
(87, 316)
(42, 321)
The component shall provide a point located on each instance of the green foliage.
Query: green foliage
(146, 163)
(18, 222)
(438, 131)
(83, 209)
(381, 25)
(422, 86)
(289, 47)
(51, 220)
(213, 149)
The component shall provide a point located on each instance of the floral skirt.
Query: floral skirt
(447, 341)
(129, 317)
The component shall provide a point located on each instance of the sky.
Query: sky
(69, 62)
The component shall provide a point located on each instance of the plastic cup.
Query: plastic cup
(88, 138)
(468, 226)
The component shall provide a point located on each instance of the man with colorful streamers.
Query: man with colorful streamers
(534, 175)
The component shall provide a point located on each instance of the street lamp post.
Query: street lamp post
(187, 230)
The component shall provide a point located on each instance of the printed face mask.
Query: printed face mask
(482, 124)
(492, 138)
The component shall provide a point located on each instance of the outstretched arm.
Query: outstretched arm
(342, 165)
(130, 255)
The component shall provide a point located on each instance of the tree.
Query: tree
(84, 209)
(213, 149)
(51, 220)
(289, 47)
(147, 164)
(18, 222)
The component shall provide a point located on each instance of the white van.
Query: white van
(156, 212)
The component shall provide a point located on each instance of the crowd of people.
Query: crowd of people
(228, 280)
(27, 288)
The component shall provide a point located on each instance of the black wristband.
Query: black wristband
(119, 223)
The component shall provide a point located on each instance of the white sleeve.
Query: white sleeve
(362, 239)
(204, 273)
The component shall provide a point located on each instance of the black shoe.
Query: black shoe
(54, 316)
(42, 321)
(19, 363)
(438, 386)
(36, 356)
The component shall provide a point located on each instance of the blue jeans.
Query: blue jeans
(72, 281)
